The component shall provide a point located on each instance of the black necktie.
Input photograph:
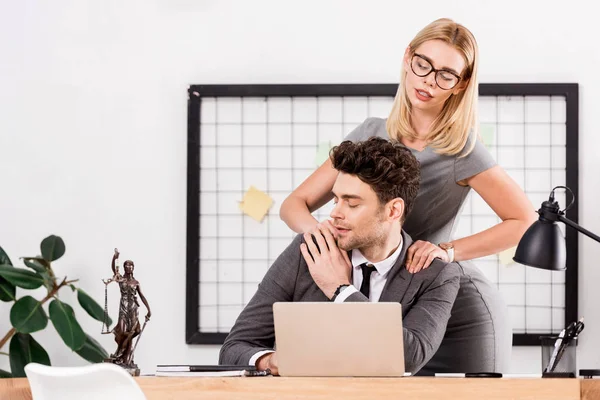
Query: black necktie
(366, 282)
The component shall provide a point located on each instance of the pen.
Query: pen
(565, 337)
(469, 375)
(557, 346)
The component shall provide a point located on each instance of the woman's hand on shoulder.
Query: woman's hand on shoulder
(420, 255)
(326, 224)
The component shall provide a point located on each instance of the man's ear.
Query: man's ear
(396, 208)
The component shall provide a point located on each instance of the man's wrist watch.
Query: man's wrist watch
(339, 290)
(449, 249)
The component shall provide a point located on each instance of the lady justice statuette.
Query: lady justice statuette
(128, 325)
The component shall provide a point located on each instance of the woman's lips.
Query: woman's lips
(422, 95)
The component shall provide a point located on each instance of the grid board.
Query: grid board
(268, 136)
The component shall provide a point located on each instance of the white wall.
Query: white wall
(93, 122)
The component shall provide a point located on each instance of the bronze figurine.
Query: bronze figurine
(128, 325)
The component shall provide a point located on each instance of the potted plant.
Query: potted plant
(29, 315)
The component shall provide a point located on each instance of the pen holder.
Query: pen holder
(565, 364)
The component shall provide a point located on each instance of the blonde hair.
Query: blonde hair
(450, 131)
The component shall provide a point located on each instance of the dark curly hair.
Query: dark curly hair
(388, 167)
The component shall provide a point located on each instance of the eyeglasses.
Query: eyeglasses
(445, 79)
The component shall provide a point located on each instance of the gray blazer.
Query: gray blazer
(426, 297)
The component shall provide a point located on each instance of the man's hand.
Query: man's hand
(329, 266)
(268, 361)
(421, 254)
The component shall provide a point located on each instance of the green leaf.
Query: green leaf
(4, 257)
(7, 289)
(63, 319)
(27, 315)
(37, 264)
(92, 351)
(21, 277)
(42, 267)
(92, 308)
(24, 350)
(73, 288)
(4, 374)
(52, 247)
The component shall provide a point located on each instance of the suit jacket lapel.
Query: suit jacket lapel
(399, 278)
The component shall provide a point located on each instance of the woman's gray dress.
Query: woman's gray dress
(479, 336)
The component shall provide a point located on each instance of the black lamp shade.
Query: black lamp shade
(542, 246)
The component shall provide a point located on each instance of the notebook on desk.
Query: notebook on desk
(339, 339)
(207, 370)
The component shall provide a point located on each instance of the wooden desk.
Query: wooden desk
(590, 389)
(162, 388)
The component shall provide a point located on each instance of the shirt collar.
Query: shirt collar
(383, 266)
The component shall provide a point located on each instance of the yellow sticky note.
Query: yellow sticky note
(256, 203)
(487, 133)
(322, 153)
(506, 256)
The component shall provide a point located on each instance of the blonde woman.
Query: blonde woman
(435, 115)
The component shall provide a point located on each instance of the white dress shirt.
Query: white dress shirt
(378, 279)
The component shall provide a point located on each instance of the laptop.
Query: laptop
(339, 339)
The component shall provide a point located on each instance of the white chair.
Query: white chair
(103, 381)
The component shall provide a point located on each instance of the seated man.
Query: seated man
(375, 188)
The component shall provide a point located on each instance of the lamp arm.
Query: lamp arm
(578, 228)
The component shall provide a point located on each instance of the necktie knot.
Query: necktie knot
(365, 286)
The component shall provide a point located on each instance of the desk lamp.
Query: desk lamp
(543, 245)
